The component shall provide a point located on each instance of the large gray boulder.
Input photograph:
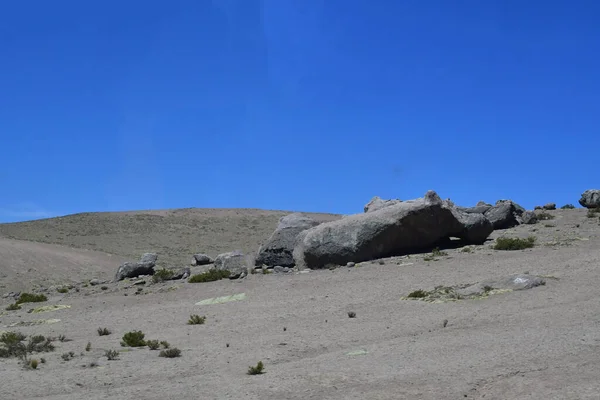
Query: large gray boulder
(590, 198)
(235, 262)
(396, 229)
(279, 247)
(134, 269)
(505, 214)
(377, 203)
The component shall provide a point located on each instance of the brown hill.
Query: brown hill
(174, 234)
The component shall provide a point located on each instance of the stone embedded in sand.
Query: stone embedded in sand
(590, 198)
(529, 217)
(399, 228)
(201, 259)
(235, 262)
(279, 247)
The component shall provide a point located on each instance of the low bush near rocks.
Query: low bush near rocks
(63, 290)
(593, 212)
(31, 298)
(33, 364)
(567, 207)
(196, 320)
(209, 276)
(11, 345)
(162, 275)
(133, 339)
(170, 353)
(505, 243)
(165, 344)
(257, 369)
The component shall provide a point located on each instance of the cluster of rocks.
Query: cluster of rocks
(386, 228)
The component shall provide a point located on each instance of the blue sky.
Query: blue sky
(311, 105)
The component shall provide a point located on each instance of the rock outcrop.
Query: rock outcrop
(134, 269)
(377, 203)
(201, 259)
(505, 214)
(590, 198)
(392, 230)
(279, 247)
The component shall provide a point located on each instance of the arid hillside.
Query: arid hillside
(174, 234)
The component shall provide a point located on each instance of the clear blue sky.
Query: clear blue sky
(312, 105)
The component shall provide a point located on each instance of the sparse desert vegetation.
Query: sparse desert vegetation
(133, 339)
(195, 319)
(31, 298)
(257, 369)
(507, 243)
(104, 332)
(209, 276)
(171, 352)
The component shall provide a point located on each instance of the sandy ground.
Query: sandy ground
(542, 343)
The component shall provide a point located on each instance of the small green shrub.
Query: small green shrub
(256, 370)
(103, 332)
(63, 290)
(33, 363)
(209, 276)
(12, 345)
(43, 360)
(31, 298)
(88, 346)
(505, 243)
(170, 353)
(39, 344)
(111, 354)
(153, 344)
(543, 216)
(418, 294)
(195, 319)
(63, 338)
(466, 250)
(567, 207)
(162, 275)
(13, 307)
(351, 314)
(68, 356)
(133, 339)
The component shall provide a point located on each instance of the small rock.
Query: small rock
(550, 206)
(280, 269)
(95, 282)
(201, 259)
(350, 264)
(140, 282)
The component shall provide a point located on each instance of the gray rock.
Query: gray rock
(377, 203)
(95, 282)
(392, 230)
(235, 262)
(529, 217)
(279, 247)
(538, 208)
(350, 264)
(280, 269)
(512, 282)
(134, 269)
(505, 214)
(590, 198)
(202, 259)
(149, 258)
(139, 282)
(483, 203)
(549, 206)
(479, 209)
(181, 273)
